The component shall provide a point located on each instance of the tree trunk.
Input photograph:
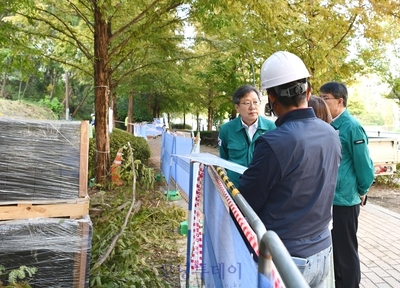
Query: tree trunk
(210, 110)
(101, 85)
(19, 88)
(82, 101)
(114, 103)
(129, 127)
(67, 95)
(155, 107)
(26, 86)
(198, 121)
(114, 107)
(3, 86)
(53, 88)
(210, 118)
(149, 108)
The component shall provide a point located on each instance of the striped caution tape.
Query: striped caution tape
(244, 225)
(229, 184)
(196, 260)
(275, 277)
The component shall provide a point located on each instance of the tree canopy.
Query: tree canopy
(113, 50)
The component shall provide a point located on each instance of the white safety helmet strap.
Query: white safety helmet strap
(297, 89)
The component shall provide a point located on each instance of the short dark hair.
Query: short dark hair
(242, 91)
(337, 89)
(289, 101)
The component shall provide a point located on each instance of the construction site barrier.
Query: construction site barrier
(145, 129)
(173, 168)
(217, 255)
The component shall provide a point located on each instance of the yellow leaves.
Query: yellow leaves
(15, 19)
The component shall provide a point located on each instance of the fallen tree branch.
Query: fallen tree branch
(116, 237)
(137, 208)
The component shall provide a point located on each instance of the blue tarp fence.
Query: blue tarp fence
(226, 261)
(146, 129)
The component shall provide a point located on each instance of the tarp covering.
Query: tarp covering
(39, 159)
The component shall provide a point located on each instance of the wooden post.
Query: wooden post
(84, 159)
(81, 257)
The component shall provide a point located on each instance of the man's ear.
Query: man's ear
(308, 95)
(271, 97)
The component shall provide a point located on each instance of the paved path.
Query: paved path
(379, 247)
(378, 237)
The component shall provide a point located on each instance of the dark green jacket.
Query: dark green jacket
(235, 146)
(356, 170)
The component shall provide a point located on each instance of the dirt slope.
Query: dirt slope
(22, 109)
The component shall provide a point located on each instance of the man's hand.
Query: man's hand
(363, 200)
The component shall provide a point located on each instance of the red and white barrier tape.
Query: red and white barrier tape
(196, 260)
(251, 236)
(244, 225)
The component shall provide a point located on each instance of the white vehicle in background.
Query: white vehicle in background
(264, 109)
(384, 151)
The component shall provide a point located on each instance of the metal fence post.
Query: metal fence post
(272, 247)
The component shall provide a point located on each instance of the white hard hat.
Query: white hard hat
(280, 68)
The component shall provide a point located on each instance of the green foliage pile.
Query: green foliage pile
(144, 255)
(119, 139)
(145, 176)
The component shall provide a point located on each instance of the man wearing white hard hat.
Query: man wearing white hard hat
(291, 180)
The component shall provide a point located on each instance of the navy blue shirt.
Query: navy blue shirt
(291, 180)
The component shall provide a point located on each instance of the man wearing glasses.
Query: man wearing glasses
(356, 174)
(237, 138)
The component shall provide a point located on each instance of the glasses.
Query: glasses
(327, 98)
(248, 104)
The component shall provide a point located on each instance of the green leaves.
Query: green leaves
(53, 104)
(148, 244)
(18, 276)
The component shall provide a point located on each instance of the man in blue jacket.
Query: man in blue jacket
(356, 175)
(291, 180)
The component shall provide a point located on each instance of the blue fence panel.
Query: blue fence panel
(180, 172)
(139, 130)
(166, 155)
(153, 130)
(263, 281)
(227, 260)
(143, 131)
(173, 144)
